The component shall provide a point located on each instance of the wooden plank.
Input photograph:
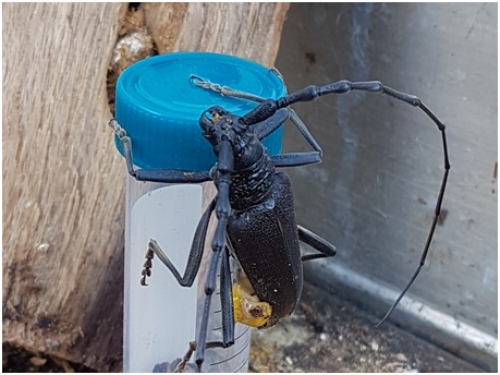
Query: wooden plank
(63, 212)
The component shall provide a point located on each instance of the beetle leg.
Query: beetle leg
(126, 144)
(223, 210)
(195, 255)
(273, 123)
(298, 159)
(226, 300)
(325, 248)
(227, 317)
(192, 348)
(146, 268)
(155, 175)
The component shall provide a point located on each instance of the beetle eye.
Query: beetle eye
(214, 117)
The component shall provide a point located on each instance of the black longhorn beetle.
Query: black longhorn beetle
(254, 207)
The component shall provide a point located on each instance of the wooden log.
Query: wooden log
(63, 196)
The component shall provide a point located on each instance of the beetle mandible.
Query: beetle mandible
(254, 206)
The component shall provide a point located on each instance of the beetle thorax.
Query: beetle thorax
(251, 182)
(253, 171)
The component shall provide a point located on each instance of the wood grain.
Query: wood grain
(63, 182)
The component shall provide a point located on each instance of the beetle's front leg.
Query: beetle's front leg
(223, 210)
(126, 143)
(154, 175)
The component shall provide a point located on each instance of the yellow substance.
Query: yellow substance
(248, 309)
(215, 118)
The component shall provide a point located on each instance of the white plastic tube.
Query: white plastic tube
(161, 319)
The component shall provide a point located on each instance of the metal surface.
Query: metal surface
(374, 194)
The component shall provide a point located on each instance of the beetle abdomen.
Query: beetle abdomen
(265, 241)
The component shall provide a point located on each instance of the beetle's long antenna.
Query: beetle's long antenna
(344, 87)
(269, 107)
(437, 212)
(400, 297)
(223, 90)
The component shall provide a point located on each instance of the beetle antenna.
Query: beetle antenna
(437, 210)
(400, 297)
(222, 90)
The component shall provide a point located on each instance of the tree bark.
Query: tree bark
(63, 181)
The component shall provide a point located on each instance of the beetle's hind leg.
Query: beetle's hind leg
(227, 318)
(324, 248)
(192, 348)
(195, 255)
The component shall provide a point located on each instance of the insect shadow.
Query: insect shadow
(254, 207)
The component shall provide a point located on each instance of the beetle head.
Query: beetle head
(217, 123)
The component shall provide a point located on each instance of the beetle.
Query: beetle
(254, 206)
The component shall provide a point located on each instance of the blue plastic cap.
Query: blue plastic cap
(159, 108)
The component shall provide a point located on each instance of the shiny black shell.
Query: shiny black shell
(264, 239)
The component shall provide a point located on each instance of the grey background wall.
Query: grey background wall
(374, 194)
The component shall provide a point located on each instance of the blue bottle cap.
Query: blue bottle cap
(159, 108)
